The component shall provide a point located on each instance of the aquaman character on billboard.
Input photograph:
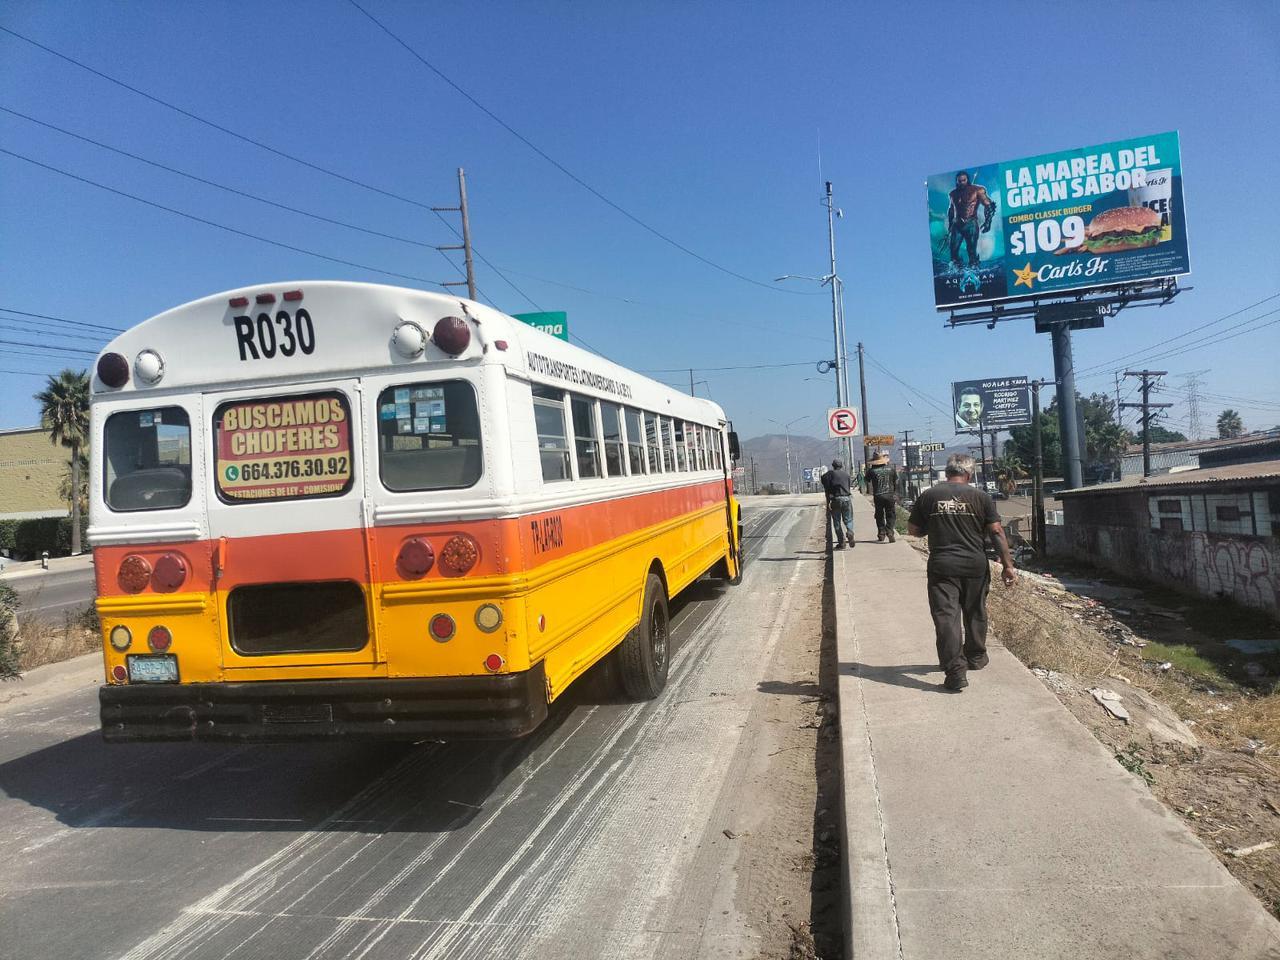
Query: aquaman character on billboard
(962, 218)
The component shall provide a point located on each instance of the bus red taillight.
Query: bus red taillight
(169, 574)
(452, 335)
(113, 370)
(134, 574)
(459, 555)
(493, 663)
(442, 627)
(159, 639)
(119, 674)
(415, 559)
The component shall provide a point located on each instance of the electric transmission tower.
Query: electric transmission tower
(1193, 402)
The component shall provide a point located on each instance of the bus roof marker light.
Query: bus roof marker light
(113, 370)
(293, 295)
(239, 301)
(265, 298)
(452, 335)
(149, 367)
(409, 339)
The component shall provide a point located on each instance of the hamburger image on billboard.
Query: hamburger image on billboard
(1085, 218)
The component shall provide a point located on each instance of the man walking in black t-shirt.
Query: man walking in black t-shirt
(835, 484)
(956, 516)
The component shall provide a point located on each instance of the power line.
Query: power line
(48, 346)
(558, 165)
(751, 366)
(263, 146)
(221, 226)
(1110, 364)
(28, 328)
(78, 323)
(221, 186)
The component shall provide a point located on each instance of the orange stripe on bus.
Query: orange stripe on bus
(508, 545)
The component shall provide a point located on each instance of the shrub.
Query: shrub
(8, 632)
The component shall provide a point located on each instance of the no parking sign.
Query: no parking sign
(843, 422)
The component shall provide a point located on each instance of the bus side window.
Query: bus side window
(635, 441)
(553, 441)
(668, 446)
(682, 447)
(611, 421)
(584, 436)
(717, 442)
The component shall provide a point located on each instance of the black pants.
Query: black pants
(886, 514)
(957, 601)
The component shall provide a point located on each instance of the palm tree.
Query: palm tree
(64, 412)
(1230, 424)
(68, 482)
(1009, 469)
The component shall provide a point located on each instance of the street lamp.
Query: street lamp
(837, 332)
(786, 429)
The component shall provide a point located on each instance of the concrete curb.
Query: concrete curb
(870, 914)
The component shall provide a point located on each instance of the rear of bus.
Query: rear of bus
(291, 511)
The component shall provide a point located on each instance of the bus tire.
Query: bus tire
(644, 656)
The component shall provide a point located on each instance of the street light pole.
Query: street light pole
(786, 430)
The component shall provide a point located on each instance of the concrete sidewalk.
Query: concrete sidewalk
(991, 823)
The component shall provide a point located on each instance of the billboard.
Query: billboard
(554, 322)
(1090, 217)
(997, 403)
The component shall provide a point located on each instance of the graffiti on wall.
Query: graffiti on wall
(1243, 570)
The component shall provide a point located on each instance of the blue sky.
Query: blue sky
(701, 119)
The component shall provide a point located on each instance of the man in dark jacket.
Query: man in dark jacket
(882, 481)
(835, 483)
(956, 516)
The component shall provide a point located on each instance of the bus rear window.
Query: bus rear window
(147, 459)
(429, 436)
(283, 448)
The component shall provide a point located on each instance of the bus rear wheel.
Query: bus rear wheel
(644, 657)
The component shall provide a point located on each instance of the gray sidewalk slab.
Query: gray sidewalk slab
(990, 823)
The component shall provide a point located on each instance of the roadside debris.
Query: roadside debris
(1109, 700)
(1256, 848)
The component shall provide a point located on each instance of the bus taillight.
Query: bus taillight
(169, 574)
(415, 559)
(493, 663)
(442, 627)
(134, 574)
(459, 555)
(159, 639)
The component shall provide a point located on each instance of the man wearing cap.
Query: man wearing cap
(882, 481)
(956, 517)
(835, 483)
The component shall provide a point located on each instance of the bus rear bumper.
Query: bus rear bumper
(444, 708)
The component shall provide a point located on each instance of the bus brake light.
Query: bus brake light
(459, 555)
(442, 627)
(134, 574)
(415, 559)
(452, 335)
(113, 370)
(159, 639)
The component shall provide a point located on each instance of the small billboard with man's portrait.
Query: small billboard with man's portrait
(997, 403)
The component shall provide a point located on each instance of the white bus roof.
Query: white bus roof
(202, 347)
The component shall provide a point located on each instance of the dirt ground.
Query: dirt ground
(789, 871)
(1204, 720)
(41, 640)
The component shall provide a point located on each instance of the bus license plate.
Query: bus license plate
(153, 669)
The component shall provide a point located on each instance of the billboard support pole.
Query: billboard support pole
(1064, 372)
(1037, 482)
(982, 453)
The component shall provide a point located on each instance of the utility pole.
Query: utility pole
(862, 384)
(465, 246)
(982, 460)
(1145, 406)
(1118, 378)
(906, 459)
(837, 326)
(691, 393)
(754, 489)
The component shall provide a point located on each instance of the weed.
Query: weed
(1131, 759)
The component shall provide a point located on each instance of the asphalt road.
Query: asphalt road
(55, 593)
(601, 835)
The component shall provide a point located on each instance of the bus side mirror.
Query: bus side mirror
(735, 452)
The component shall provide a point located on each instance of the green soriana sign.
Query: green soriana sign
(1040, 226)
(554, 322)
